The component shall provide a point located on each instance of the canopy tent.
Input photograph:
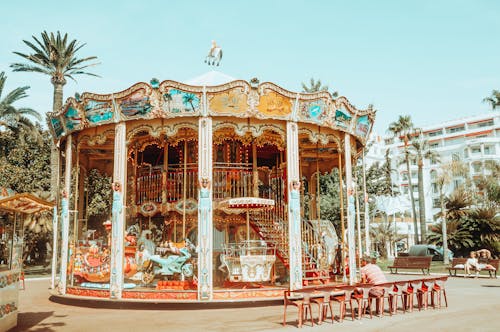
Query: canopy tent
(25, 203)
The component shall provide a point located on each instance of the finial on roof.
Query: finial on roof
(214, 55)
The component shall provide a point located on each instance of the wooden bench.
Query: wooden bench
(411, 262)
(459, 264)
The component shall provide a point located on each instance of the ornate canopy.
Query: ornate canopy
(238, 98)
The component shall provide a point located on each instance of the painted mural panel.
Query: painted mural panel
(228, 102)
(315, 111)
(363, 126)
(343, 118)
(274, 104)
(57, 126)
(98, 111)
(72, 119)
(178, 101)
(137, 104)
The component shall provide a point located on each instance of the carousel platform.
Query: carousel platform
(171, 299)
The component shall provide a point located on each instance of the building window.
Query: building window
(435, 133)
(436, 203)
(435, 188)
(434, 160)
(466, 153)
(404, 176)
(456, 129)
(485, 124)
(415, 188)
(455, 157)
(488, 150)
(414, 174)
(475, 150)
(434, 145)
(405, 190)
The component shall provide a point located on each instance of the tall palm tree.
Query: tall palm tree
(315, 86)
(12, 118)
(422, 150)
(54, 55)
(403, 129)
(494, 99)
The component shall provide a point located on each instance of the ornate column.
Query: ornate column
(55, 224)
(205, 214)
(294, 222)
(66, 194)
(367, 214)
(118, 211)
(351, 210)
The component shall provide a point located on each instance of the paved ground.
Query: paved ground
(474, 305)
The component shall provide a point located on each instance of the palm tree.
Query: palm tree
(12, 118)
(54, 56)
(494, 99)
(455, 168)
(457, 237)
(403, 129)
(315, 86)
(485, 226)
(422, 150)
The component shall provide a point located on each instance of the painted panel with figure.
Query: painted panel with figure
(228, 102)
(98, 111)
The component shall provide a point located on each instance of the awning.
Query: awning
(25, 203)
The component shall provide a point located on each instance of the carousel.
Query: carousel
(208, 182)
(17, 212)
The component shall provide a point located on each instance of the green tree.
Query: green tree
(330, 197)
(13, 118)
(25, 164)
(403, 129)
(98, 188)
(422, 150)
(484, 225)
(494, 99)
(459, 239)
(54, 55)
(315, 86)
(443, 179)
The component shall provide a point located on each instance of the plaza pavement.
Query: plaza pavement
(474, 305)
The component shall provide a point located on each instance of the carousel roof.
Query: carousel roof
(210, 78)
(213, 94)
(25, 203)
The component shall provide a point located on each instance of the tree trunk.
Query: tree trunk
(410, 190)
(54, 151)
(421, 199)
(446, 259)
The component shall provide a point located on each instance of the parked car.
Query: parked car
(428, 250)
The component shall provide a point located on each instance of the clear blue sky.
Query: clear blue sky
(434, 60)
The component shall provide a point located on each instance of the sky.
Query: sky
(434, 60)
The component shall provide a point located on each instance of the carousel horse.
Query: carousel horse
(173, 261)
(214, 55)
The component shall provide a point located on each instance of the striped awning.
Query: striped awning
(25, 203)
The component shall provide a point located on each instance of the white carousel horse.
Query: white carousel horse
(214, 55)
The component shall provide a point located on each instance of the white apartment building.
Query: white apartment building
(472, 140)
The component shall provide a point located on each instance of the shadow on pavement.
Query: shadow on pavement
(27, 320)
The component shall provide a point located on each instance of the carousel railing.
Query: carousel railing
(152, 181)
(274, 231)
(175, 182)
(232, 180)
(149, 185)
(314, 253)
